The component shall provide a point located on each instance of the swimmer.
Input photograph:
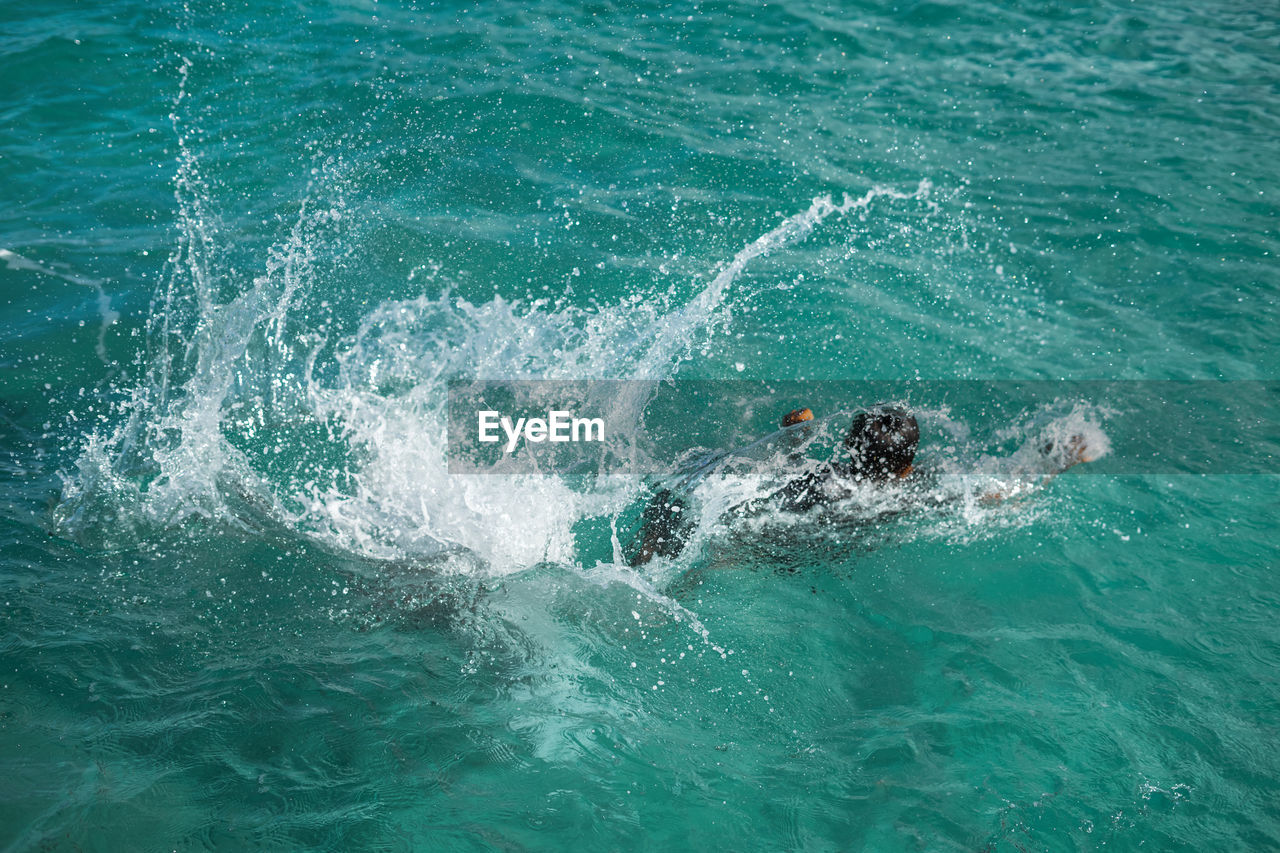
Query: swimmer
(881, 447)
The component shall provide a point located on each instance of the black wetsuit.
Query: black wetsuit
(667, 522)
(804, 493)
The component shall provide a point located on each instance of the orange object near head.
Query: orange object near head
(797, 416)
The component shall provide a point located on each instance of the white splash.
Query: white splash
(380, 394)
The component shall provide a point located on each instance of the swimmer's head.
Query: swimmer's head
(882, 443)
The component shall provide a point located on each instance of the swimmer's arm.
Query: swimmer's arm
(1077, 452)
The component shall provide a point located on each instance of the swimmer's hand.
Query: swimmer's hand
(1075, 451)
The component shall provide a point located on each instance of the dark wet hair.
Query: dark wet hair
(882, 442)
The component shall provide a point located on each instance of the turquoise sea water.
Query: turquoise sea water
(245, 605)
